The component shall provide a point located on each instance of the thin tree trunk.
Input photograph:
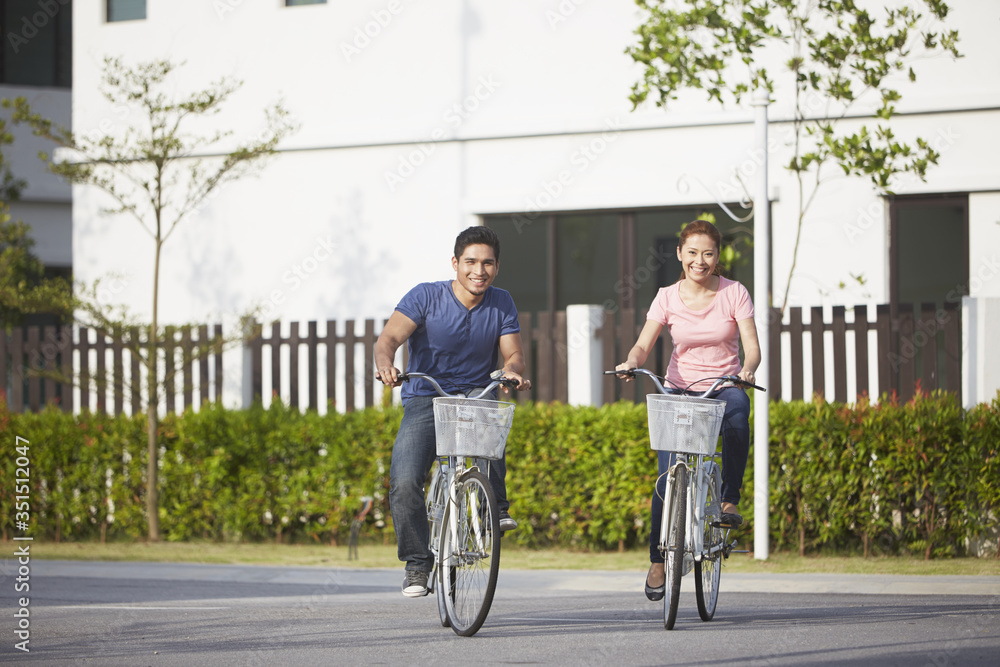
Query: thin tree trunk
(152, 420)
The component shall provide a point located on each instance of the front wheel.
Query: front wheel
(469, 558)
(436, 499)
(708, 570)
(674, 544)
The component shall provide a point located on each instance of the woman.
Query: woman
(707, 316)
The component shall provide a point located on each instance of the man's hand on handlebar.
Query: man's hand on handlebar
(389, 375)
(522, 383)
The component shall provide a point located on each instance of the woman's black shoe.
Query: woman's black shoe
(730, 521)
(655, 594)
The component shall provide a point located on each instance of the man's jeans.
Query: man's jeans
(413, 454)
(735, 450)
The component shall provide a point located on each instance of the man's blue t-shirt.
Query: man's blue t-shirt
(457, 346)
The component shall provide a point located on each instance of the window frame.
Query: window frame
(108, 13)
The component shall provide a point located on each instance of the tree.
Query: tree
(24, 289)
(158, 173)
(839, 53)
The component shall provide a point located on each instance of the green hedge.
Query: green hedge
(918, 478)
(224, 474)
(889, 478)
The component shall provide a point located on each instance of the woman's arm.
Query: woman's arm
(640, 351)
(751, 348)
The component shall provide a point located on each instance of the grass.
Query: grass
(378, 555)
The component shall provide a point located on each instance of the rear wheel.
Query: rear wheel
(469, 559)
(708, 570)
(674, 542)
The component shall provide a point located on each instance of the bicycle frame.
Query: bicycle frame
(683, 538)
(699, 468)
(700, 471)
(451, 467)
(469, 536)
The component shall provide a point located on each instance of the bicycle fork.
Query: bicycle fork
(465, 505)
(668, 499)
(695, 517)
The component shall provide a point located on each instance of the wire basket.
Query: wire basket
(688, 424)
(472, 427)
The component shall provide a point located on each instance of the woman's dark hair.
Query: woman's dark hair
(477, 235)
(705, 228)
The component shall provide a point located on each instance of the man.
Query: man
(455, 330)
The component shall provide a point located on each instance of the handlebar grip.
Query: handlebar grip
(632, 372)
(735, 379)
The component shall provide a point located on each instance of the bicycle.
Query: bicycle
(461, 505)
(690, 530)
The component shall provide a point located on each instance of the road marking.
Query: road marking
(130, 608)
(584, 620)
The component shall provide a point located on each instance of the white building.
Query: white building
(419, 119)
(36, 64)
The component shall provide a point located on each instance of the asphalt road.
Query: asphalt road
(84, 613)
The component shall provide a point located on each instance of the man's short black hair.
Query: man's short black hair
(477, 235)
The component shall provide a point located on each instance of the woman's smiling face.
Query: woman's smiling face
(698, 256)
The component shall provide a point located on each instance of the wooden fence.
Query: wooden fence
(909, 348)
(913, 347)
(843, 357)
(84, 369)
(309, 369)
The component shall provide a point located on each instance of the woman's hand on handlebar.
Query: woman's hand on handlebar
(626, 366)
(747, 376)
(389, 375)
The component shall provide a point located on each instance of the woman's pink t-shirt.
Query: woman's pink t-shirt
(706, 342)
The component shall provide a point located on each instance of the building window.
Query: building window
(295, 3)
(617, 259)
(928, 276)
(37, 43)
(126, 10)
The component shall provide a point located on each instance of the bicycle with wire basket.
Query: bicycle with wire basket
(691, 531)
(461, 504)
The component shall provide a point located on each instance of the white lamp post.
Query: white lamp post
(762, 302)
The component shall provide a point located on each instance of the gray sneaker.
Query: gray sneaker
(507, 523)
(415, 583)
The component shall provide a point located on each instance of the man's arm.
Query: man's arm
(396, 331)
(513, 360)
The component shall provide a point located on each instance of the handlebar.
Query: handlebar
(497, 376)
(661, 385)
